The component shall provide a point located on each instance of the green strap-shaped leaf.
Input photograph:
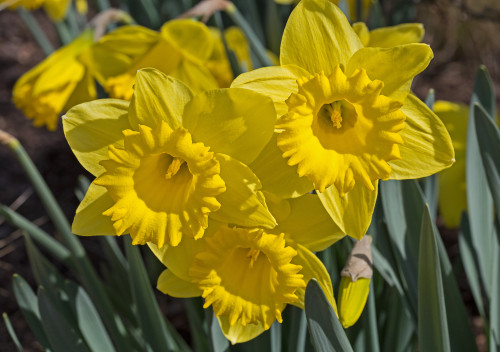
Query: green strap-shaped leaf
(495, 301)
(62, 335)
(149, 315)
(327, 334)
(28, 303)
(90, 323)
(275, 337)
(479, 200)
(218, 341)
(12, 333)
(470, 263)
(297, 329)
(432, 323)
(488, 137)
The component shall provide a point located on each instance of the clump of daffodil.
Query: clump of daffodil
(347, 118)
(248, 275)
(386, 37)
(58, 83)
(355, 282)
(452, 196)
(180, 50)
(169, 160)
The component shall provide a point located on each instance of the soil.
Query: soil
(460, 41)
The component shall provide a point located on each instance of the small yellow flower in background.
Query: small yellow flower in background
(169, 160)
(180, 50)
(58, 83)
(355, 282)
(249, 275)
(452, 196)
(386, 37)
(57, 9)
(346, 116)
(82, 6)
(27, 4)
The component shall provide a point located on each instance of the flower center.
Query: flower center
(339, 129)
(247, 275)
(163, 185)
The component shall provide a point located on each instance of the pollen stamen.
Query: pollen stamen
(174, 167)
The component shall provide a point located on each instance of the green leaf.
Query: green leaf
(90, 323)
(11, 332)
(150, 319)
(218, 341)
(275, 337)
(488, 137)
(470, 263)
(296, 321)
(432, 323)
(326, 331)
(28, 303)
(495, 302)
(198, 330)
(479, 200)
(483, 91)
(430, 187)
(61, 334)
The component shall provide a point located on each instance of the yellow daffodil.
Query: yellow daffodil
(248, 275)
(352, 7)
(59, 82)
(386, 37)
(452, 197)
(27, 4)
(169, 159)
(180, 50)
(57, 9)
(346, 115)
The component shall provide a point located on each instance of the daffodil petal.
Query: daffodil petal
(400, 34)
(89, 220)
(178, 259)
(158, 97)
(242, 203)
(427, 146)
(312, 268)
(352, 212)
(113, 55)
(318, 37)
(56, 9)
(275, 82)
(90, 128)
(234, 121)
(452, 196)
(191, 37)
(276, 175)
(174, 286)
(394, 66)
(195, 75)
(309, 224)
(238, 333)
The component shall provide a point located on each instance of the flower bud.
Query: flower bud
(355, 282)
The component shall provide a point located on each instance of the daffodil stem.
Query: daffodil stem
(57, 250)
(255, 43)
(37, 32)
(233, 61)
(63, 32)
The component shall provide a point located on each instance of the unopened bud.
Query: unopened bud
(355, 282)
